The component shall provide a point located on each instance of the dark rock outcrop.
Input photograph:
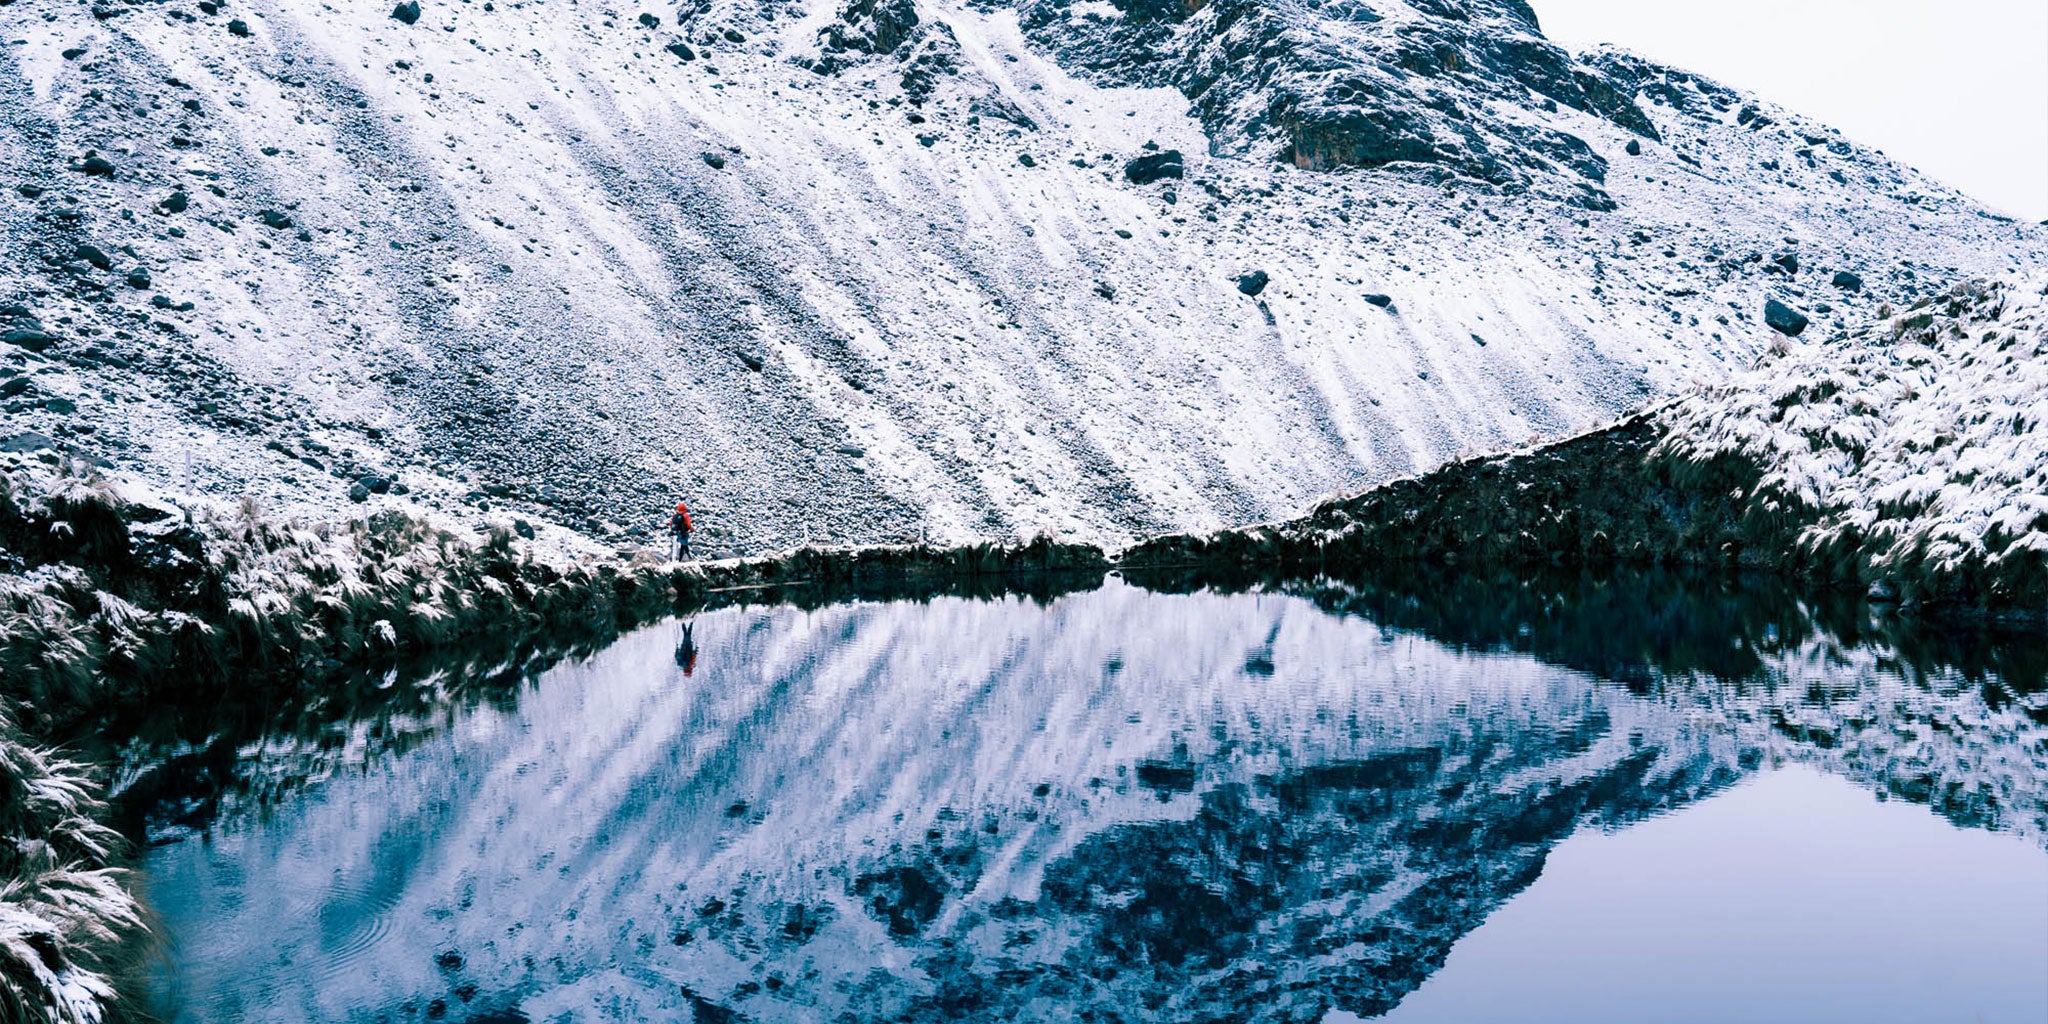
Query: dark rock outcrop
(871, 26)
(1341, 86)
(1152, 167)
(1784, 319)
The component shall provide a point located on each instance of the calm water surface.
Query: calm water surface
(1625, 803)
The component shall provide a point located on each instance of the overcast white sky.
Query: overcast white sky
(1956, 88)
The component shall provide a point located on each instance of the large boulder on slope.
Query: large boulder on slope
(1152, 167)
(1784, 319)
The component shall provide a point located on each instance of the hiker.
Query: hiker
(680, 525)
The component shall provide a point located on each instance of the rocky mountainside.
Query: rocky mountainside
(863, 272)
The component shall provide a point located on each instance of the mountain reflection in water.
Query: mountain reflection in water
(1113, 805)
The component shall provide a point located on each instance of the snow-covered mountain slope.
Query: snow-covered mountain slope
(860, 273)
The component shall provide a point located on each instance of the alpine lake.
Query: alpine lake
(1464, 798)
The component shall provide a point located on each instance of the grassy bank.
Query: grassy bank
(1906, 459)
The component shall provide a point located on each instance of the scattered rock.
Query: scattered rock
(238, 27)
(1152, 167)
(28, 338)
(521, 526)
(96, 166)
(1105, 289)
(29, 191)
(60, 406)
(14, 386)
(717, 162)
(176, 202)
(1848, 282)
(407, 12)
(1385, 302)
(1253, 283)
(274, 219)
(1784, 319)
(650, 21)
(357, 492)
(28, 441)
(92, 254)
(1025, 159)
(681, 50)
(74, 53)
(1634, 147)
(1789, 261)
(138, 278)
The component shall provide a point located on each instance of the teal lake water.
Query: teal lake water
(1627, 801)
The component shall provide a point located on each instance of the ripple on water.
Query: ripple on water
(354, 920)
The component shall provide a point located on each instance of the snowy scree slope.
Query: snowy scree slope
(857, 273)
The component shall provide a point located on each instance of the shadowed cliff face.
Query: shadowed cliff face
(1470, 87)
(1114, 805)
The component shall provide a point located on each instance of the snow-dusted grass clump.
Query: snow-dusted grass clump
(101, 598)
(60, 902)
(1913, 450)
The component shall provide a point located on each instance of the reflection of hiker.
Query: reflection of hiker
(681, 526)
(686, 652)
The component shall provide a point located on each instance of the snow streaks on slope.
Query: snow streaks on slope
(537, 260)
